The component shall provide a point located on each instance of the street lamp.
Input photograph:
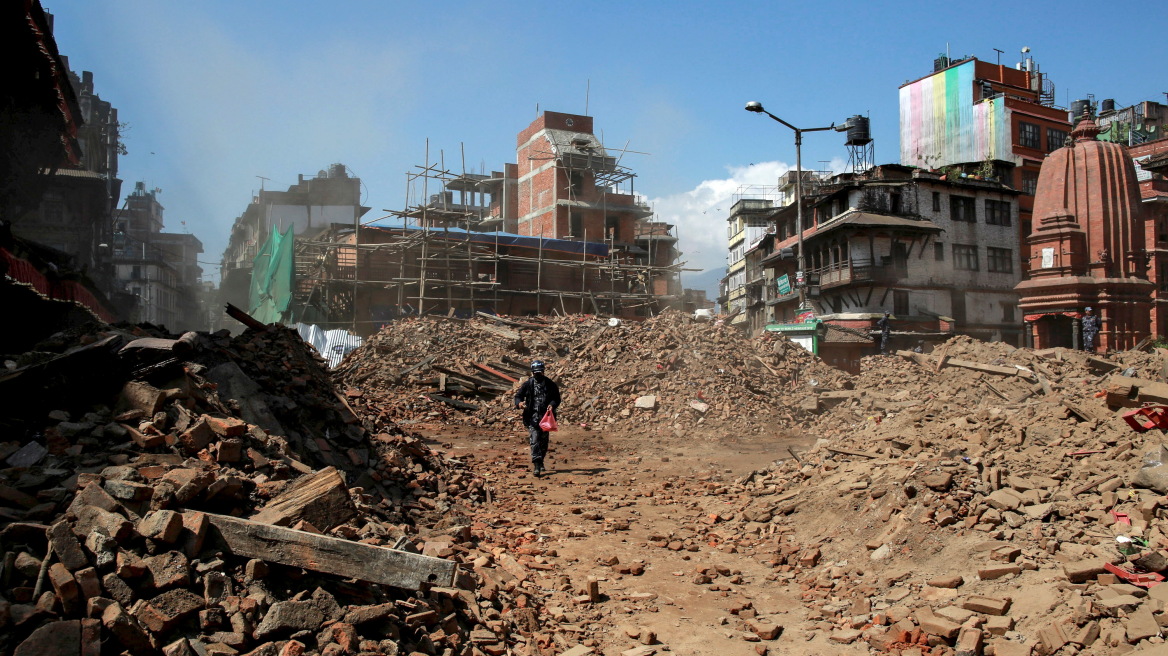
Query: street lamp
(756, 107)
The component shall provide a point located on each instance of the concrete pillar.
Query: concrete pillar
(1077, 334)
(1028, 334)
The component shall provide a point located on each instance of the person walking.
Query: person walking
(885, 326)
(1090, 323)
(537, 394)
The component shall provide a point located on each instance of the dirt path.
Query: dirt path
(622, 510)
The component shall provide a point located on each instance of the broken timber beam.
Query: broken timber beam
(479, 383)
(329, 555)
(510, 322)
(494, 372)
(401, 374)
(850, 452)
(461, 405)
(244, 318)
(946, 361)
(500, 332)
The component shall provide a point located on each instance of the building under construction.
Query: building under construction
(560, 232)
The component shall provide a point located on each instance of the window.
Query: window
(1028, 136)
(576, 225)
(894, 203)
(965, 257)
(1055, 139)
(1029, 182)
(899, 302)
(612, 227)
(939, 252)
(961, 208)
(999, 260)
(576, 180)
(936, 201)
(997, 212)
(1007, 312)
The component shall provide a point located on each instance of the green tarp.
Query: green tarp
(272, 275)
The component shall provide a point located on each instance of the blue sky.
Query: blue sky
(217, 93)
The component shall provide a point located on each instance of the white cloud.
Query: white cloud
(700, 214)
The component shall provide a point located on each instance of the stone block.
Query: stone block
(287, 617)
(987, 605)
(162, 525)
(66, 547)
(991, 572)
(168, 570)
(126, 630)
(1083, 570)
(164, 612)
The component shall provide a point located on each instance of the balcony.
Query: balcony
(857, 271)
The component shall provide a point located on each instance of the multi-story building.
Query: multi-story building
(308, 208)
(561, 231)
(983, 119)
(76, 206)
(748, 223)
(939, 254)
(159, 269)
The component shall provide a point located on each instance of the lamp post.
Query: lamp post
(757, 108)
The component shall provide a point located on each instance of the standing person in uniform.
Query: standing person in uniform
(537, 394)
(1090, 329)
(885, 327)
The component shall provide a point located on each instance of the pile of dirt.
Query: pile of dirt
(668, 373)
(205, 494)
(979, 499)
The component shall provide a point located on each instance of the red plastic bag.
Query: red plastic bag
(548, 423)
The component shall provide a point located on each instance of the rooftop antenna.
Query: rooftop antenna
(262, 180)
(999, 55)
(587, 95)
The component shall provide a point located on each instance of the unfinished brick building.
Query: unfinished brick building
(560, 232)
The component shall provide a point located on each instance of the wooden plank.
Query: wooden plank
(1093, 484)
(321, 499)
(461, 405)
(942, 359)
(499, 332)
(1087, 411)
(766, 366)
(488, 385)
(329, 555)
(401, 374)
(511, 322)
(494, 372)
(850, 452)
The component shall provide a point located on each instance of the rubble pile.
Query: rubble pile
(213, 495)
(668, 372)
(979, 499)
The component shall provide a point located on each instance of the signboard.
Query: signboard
(799, 278)
(806, 316)
(1048, 258)
(784, 284)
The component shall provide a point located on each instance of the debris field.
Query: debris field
(204, 494)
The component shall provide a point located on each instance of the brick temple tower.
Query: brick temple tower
(1087, 247)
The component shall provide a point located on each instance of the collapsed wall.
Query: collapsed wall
(210, 494)
(668, 374)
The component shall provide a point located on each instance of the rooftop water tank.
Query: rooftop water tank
(858, 134)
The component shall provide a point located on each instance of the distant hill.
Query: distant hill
(707, 280)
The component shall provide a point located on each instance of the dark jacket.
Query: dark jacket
(533, 411)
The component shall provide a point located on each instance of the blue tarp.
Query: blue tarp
(598, 249)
